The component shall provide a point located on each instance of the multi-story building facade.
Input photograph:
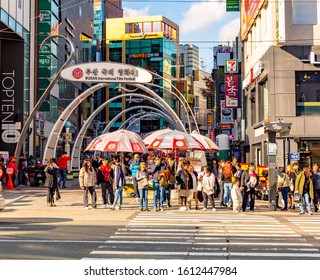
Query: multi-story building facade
(103, 9)
(149, 42)
(189, 73)
(281, 76)
(15, 25)
(74, 22)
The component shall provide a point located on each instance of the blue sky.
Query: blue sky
(199, 22)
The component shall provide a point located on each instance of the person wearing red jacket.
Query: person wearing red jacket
(63, 167)
(13, 167)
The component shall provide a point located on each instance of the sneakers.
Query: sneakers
(112, 207)
(86, 208)
(118, 207)
(204, 209)
(183, 208)
(214, 209)
(310, 213)
(105, 206)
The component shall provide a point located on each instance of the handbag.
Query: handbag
(144, 182)
(184, 193)
(297, 197)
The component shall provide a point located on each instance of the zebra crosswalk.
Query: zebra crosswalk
(172, 235)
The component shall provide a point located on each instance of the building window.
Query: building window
(263, 101)
(308, 93)
(252, 99)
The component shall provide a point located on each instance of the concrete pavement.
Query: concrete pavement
(34, 199)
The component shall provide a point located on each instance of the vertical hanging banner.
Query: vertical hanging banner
(209, 101)
(233, 5)
(231, 83)
(209, 119)
(11, 98)
(226, 113)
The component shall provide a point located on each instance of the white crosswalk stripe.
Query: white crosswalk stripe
(206, 235)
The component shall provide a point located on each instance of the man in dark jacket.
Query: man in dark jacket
(158, 192)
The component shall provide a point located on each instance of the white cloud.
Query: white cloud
(128, 12)
(201, 16)
(229, 31)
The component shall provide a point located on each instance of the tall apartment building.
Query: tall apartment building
(74, 21)
(281, 80)
(149, 42)
(15, 98)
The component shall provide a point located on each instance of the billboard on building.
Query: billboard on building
(11, 98)
(231, 85)
(226, 113)
(249, 10)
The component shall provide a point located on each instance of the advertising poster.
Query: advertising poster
(226, 113)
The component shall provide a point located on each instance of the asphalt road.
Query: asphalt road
(31, 230)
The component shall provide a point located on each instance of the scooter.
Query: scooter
(37, 175)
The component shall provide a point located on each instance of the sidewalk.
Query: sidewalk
(72, 199)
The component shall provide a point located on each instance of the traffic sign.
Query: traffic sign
(294, 156)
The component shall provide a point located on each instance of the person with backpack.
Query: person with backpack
(304, 186)
(104, 179)
(227, 183)
(134, 168)
(249, 182)
(283, 186)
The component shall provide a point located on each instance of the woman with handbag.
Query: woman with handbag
(304, 187)
(143, 185)
(88, 180)
(182, 178)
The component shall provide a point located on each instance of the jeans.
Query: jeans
(143, 194)
(156, 190)
(93, 193)
(63, 176)
(251, 193)
(107, 193)
(284, 193)
(167, 195)
(135, 187)
(207, 197)
(118, 196)
(227, 193)
(305, 201)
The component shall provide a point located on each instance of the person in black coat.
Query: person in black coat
(51, 182)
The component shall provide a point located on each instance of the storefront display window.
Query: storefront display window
(308, 93)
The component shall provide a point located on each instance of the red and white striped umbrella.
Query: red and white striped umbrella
(175, 140)
(148, 139)
(118, 141)
(205, 141)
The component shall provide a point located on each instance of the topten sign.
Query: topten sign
(106, 72)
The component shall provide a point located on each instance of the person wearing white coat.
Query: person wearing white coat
(88, 180)
(208, 181)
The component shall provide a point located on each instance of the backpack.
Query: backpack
(163, 182)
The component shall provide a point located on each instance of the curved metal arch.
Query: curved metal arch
(152, 93)
(45, 94)
(75, 155)
(182, 96)
(137, 115)
(176, 95)
(149, 114)
(52, 141)
(107, 128)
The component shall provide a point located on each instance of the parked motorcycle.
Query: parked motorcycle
(36, 175)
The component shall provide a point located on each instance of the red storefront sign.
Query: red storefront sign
(211, 134)
(231, 83)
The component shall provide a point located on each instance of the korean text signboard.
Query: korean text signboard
(104, 72)
(231, 83)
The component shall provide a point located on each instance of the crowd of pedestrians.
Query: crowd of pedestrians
(224, 183)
